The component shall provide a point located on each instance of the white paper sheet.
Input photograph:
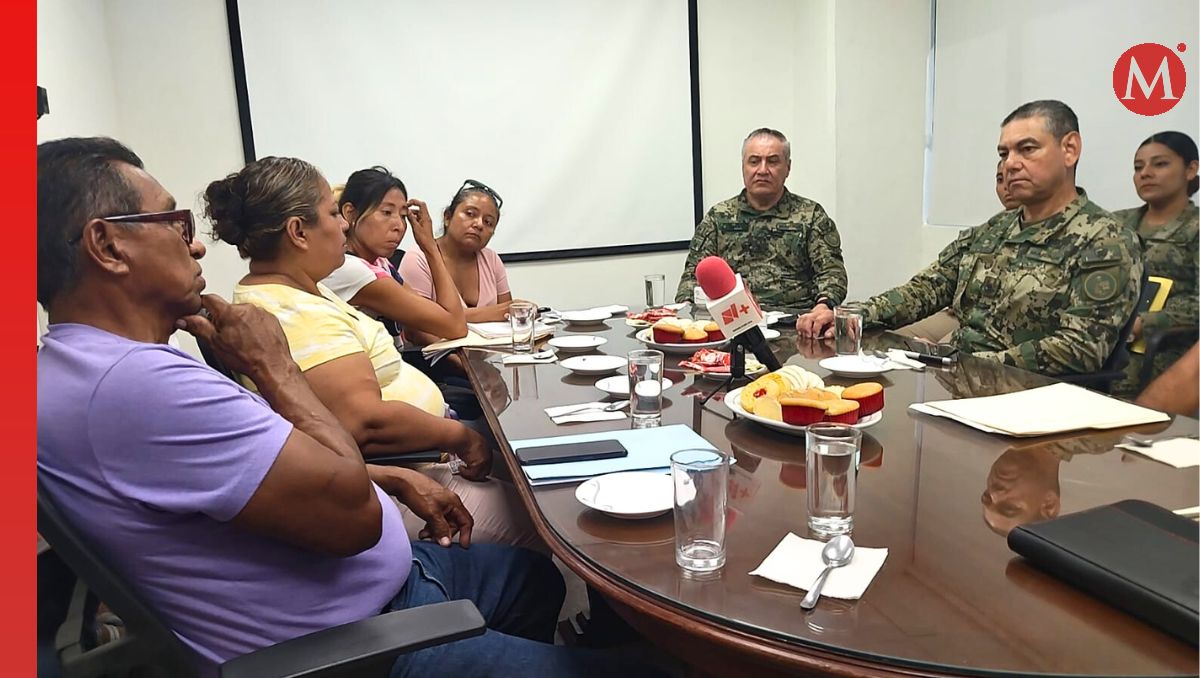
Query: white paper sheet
(1056, 408)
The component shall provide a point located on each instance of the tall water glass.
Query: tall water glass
(645, 387)
(847, 330)
(521, 315)
(831, 454)
(701, 479)
(656, 289)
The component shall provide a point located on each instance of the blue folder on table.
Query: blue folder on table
(649, 449)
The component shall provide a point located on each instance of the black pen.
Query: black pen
(928, 359)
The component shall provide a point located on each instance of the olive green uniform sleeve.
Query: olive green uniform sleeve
(928, 292)
(703, 245)
(825, 253)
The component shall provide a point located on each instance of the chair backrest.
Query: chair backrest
(1119, 358)
(142, 622)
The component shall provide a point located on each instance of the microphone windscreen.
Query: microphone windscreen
(715, 277)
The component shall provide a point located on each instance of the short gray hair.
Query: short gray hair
(1060, 119)
(774, 134)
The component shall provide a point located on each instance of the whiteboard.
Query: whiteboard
(577, 113)
(991, 56)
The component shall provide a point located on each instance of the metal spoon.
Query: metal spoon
(1139, 440)
(838, 552)
(611, 407)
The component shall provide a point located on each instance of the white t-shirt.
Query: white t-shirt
(349, 278)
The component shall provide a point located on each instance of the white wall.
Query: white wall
(74, 64)
(881, 50)
(844, 80)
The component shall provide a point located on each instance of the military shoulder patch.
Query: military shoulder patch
(1101, 285)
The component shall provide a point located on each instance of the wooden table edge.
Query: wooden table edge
(787, 656)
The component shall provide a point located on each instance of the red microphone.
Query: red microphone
(733, 308)
(715, 277)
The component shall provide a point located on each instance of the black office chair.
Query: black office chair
(1157, 341)
(421, 457)
(150, 650)
(1113, 369)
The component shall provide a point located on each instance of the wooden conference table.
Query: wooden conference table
(951, 597)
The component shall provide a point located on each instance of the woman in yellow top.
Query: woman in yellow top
(280, 214)
(1165, 176)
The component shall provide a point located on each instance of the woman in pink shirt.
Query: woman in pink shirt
(479, 275)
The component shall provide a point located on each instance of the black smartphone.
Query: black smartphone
(552, 454)
(1148, 293)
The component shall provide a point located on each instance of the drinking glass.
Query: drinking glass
(645, 387)
(521, 316)
(701, 479)
(656, 289)
(831, 456)
(847, 330)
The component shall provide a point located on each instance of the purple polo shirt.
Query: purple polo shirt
(150, 453)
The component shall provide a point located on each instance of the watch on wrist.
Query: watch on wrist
(829, 303)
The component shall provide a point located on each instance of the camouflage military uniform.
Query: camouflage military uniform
(789, 255)
(1048, 297)
(1170, 251)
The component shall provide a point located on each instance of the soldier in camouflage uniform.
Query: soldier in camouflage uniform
(1165, 170)
(1045, 288)
(785, 246)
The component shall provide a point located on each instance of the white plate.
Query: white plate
(646, 337)
(855, 366)
(773, 317)
(594, 364)
(770, 334)
(733, 400)
(631, 494)
(577, 342)
(618, 386)
(589, 316)
(615, 309)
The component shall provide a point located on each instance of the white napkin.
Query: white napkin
(1178, 452)
(899, 361)
(559, 415)
(797, 562)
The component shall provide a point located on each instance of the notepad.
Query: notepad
(476, 339)
(649, 449)
(1056, 408)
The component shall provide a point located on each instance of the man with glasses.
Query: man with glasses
(243, 520)
(785, 246)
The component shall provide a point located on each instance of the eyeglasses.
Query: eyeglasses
(472, 185)
(184, 218)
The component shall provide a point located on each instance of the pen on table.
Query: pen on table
(928, 359)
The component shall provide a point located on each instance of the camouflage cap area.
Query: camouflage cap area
(1050, 297)
(788, 255)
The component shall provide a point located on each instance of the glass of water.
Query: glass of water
(656, 289)
(701, 479)
(831, 457)
(847, 330)
(521, 316)
(645, 387)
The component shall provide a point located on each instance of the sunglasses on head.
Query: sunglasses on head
(472, 185)
(187, 223)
